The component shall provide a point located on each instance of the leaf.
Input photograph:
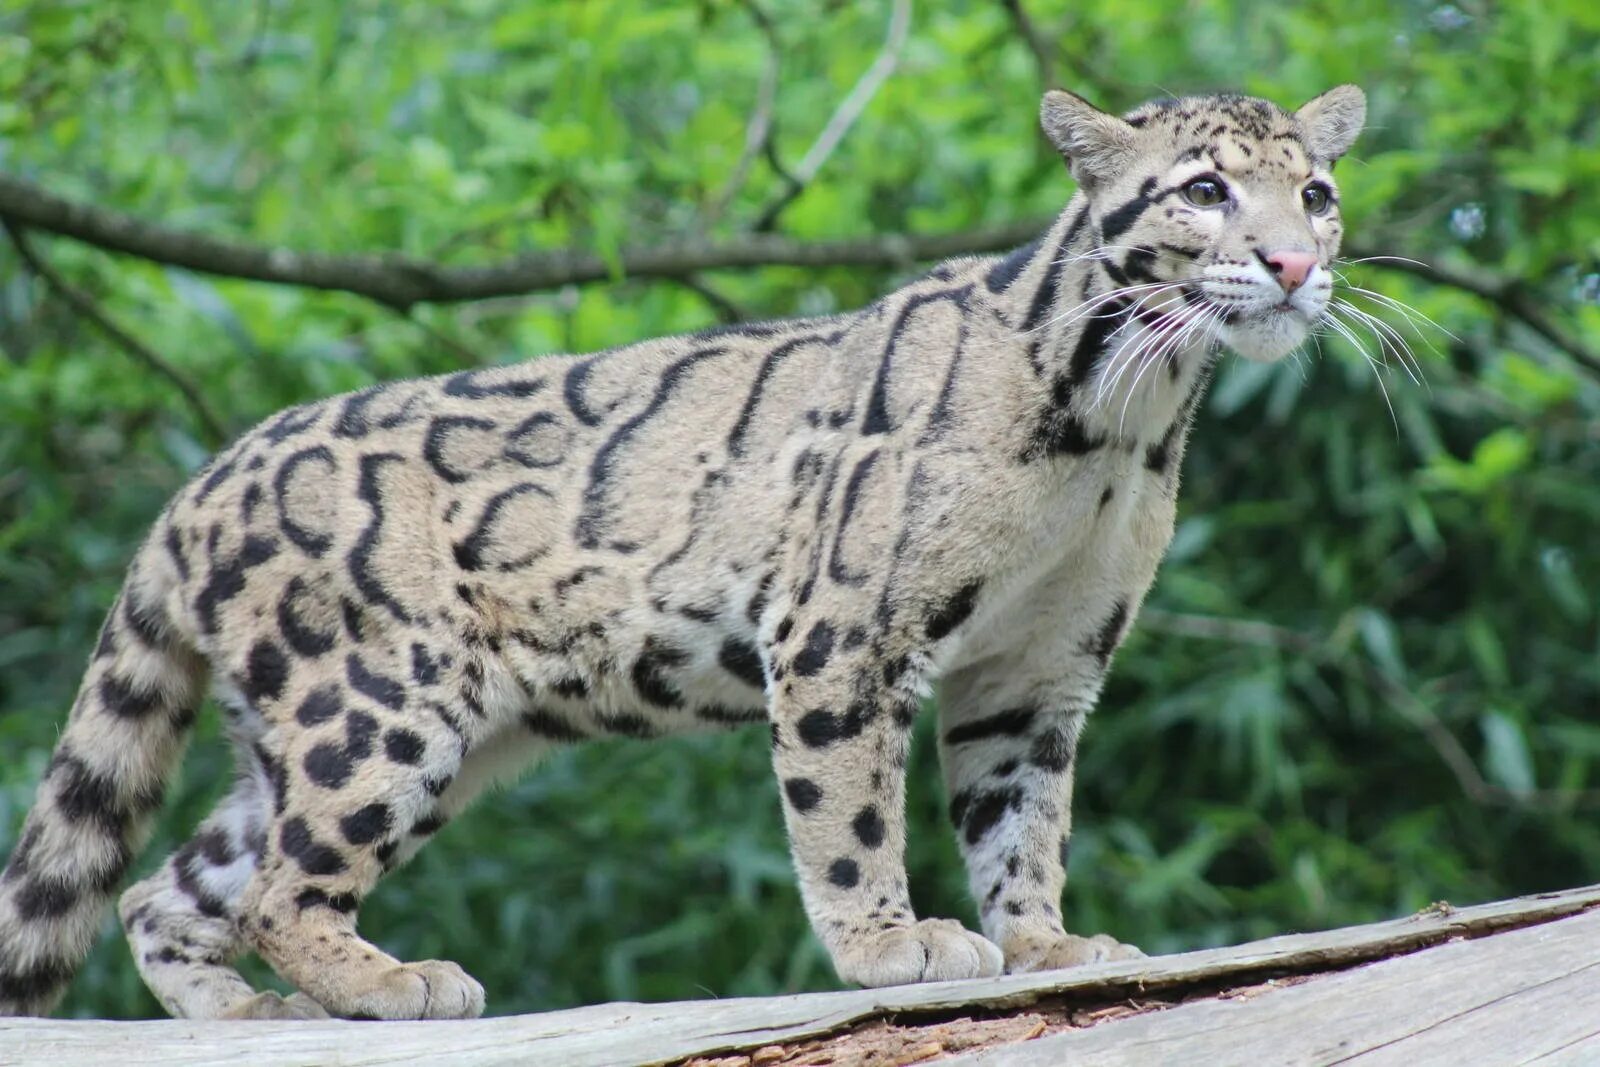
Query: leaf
(1506, 759)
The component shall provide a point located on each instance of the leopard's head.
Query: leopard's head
(1227, 201)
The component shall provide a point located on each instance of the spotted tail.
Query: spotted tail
(122, 741)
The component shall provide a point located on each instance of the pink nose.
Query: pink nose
(1290, 268)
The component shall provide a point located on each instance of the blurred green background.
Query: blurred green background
(1369, 677)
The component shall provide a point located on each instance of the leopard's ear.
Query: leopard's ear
(1097, 145)
(1330, 123)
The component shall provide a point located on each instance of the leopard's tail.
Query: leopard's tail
(122, 741)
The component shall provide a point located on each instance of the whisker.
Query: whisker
(1385, 335)
(1345, 332)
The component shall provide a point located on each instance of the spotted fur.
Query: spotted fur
(405, 593)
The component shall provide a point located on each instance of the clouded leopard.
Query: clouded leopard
(402, 594)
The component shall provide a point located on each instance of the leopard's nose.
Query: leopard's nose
(1289, 267)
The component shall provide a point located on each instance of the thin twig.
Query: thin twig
(725, 309)
(1035, 42)
(1400, 699)
(845, 115)
(459, 349)
(85, 305)
(758, 131)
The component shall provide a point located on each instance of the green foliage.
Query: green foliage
(1413, 722)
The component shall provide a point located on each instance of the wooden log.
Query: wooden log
(1470, 975)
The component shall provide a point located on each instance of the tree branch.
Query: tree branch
(401, 281)
(758, 131)
(845, 115)
(86, 306)
(1036, 43)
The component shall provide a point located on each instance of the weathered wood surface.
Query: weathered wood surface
(1526, 992)
(1530, 995)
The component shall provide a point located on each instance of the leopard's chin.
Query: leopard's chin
(1266, 337)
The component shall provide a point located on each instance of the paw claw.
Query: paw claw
(932, 950)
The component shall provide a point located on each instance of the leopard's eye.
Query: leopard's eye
(1205, 192)
(1317, 197)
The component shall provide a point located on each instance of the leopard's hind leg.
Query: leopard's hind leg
(182, 921)
(377, 747)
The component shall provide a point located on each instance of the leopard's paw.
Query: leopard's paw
(271, 1005)
(1052, 952)
(932, 950)
(432, 989)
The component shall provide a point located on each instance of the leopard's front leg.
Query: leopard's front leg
(841, 734)
(1008, 742)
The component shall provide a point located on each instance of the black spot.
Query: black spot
(403, 746)
(35, 984)
(312, 542)
(648, 676)
(439, 430)
(594, 516)
(316, 898)
(877, 419)
(1106, 639)
(146, 622)
(174, 546)
(359, 562)
(723, 716)
(1105, 498)
(466, 384)
(319, 706)
(740, 659)
(1065, 851)
(45, 898)
(227, 577)
(954, 611)
(385, 691)
(1013, 722)
(1013, 908)
(769, 366)
(1063, 434)
(1053, 750)
(785, 627)
(572, 687)
(548, 725)
(626, 725)
(304, 639)
(429, 824)
(85, 796)
(1004, 272)
(469, 551)
(266, 670)
(868, 825)
(818, 647)
(976, 813)
(844, 873)
(424, 668)
(821, 728)
(803, 793)
(351, 615)
(367, 824)
(313, 857)
(329, 764)
(218, 474)
(120, 698)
